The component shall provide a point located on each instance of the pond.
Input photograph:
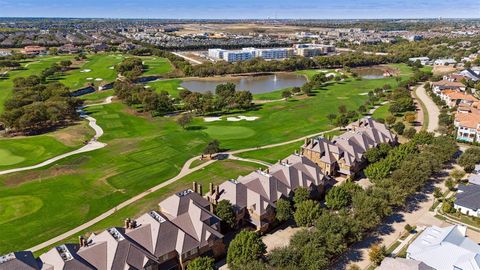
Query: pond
(370, 73)
(254, 84)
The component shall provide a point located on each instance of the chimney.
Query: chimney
(199, 189)
(133, 224)
(81, 241)
(127, 223)
(211, 188)
(194, 186)
(217, 190)
(306, 140)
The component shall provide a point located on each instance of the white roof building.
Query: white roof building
(445, 249)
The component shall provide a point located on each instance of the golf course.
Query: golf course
(143, 151)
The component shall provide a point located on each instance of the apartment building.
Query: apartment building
(310, 50)
(249, 53)
(344, 154)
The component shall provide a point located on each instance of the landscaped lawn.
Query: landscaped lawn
(272, 155)
(142, 152)
(156, 66)
(171, 86)
(26, 151)
(382, 112)
(97, 69)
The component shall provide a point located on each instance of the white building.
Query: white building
(423, 60)
(249, 53)
(467, 200)
(445, 249)
(445, 62)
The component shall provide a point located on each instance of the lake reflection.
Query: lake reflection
(254, 84)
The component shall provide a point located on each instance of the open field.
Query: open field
(216, 173)
(143, 152)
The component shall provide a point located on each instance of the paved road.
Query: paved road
(432, 108)
(188, 58)
(92, 145)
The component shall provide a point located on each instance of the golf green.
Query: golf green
(14, 207)
(7, 158)
(229, 132)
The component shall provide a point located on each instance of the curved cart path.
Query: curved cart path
(186, 170)
(92, 145)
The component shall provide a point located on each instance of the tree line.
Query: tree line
(36, 106)
(351, 212)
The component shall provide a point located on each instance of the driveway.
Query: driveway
(432, 108)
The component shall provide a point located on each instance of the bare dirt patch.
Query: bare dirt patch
(442, 70)
(74, 135)
(16, 179)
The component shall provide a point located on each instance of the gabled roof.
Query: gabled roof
(113, 249)
(64, 257)
(446, 83)
(325, 148)
(190, 212)
(445, 248)
(402, 264)
(21, 260)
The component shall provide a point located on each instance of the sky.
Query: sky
(242, 9)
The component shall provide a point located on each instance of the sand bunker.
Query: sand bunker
(331, 75)
(363, 94)
(212, 119)
(111, 67)
(147, 86)
(85, 70)
(89, 79)
(242, 117)
(180, 88)
(98, 79)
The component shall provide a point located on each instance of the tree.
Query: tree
(201, 263)
(307, 213)
(410, 117)
(283, 210)
(390, 120)
(244, 248)
(65, 64)
(301, 194)
(377, 254)
(437, 193)
(224, 210)
(286, 94)
(450, 184)
(457, 174)
(337, 198)
(469, 158)
(212, 147)
(362, 109)
(447, 207)
(184, 120)
(409, 133)
(331, 117)
(342, 120)
(399, 127)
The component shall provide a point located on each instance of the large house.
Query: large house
(254, 195)
(445, 248)
(437, 87)
(455, 98)
(467, 200)
(344, 154)
(34, 50)
(183, 229)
